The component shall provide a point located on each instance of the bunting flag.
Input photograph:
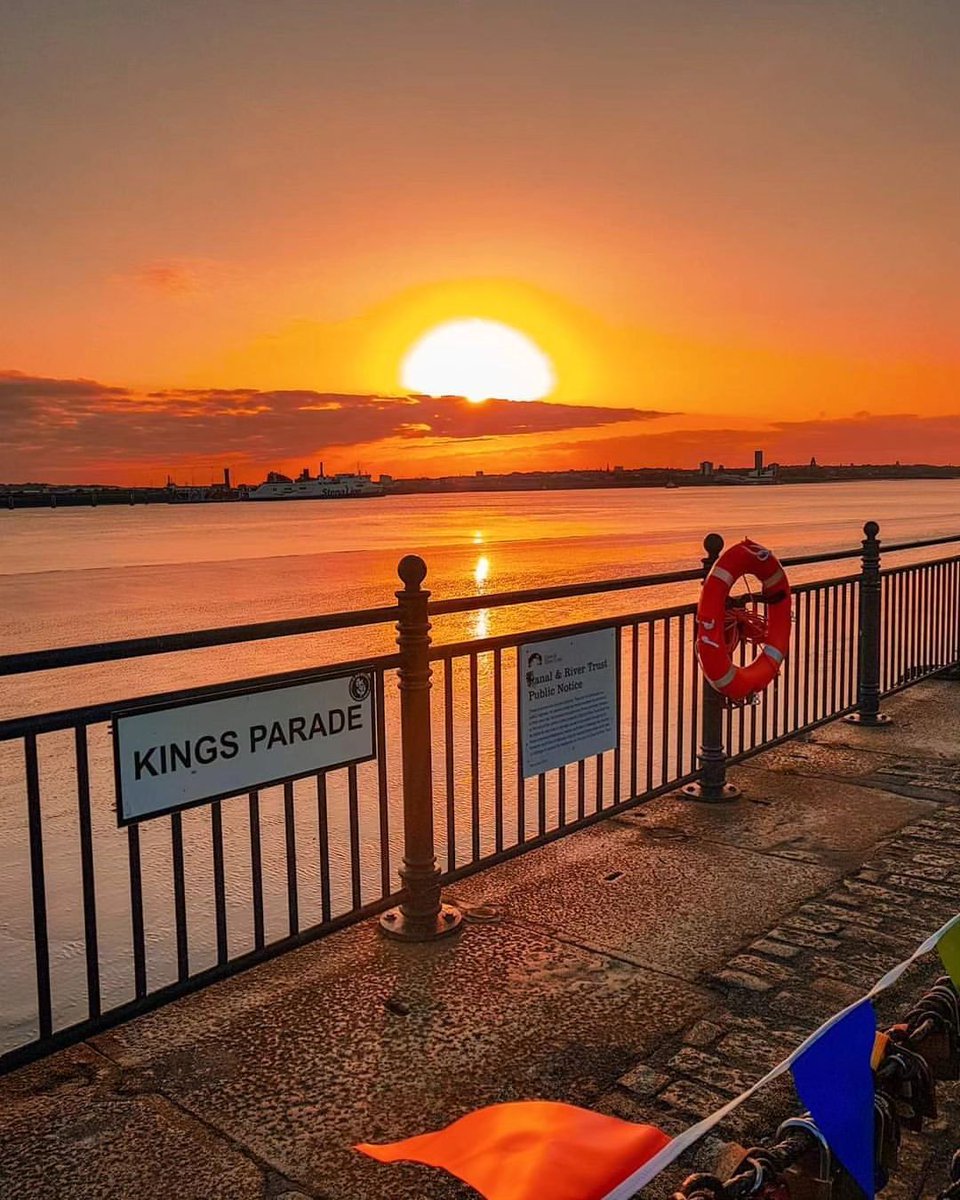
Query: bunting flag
(530, 1149)
(948, 947)
(524, 1150)
(834, 1079)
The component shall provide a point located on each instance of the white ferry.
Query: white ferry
(317, 487)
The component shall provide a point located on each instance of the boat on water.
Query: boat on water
(317, 487)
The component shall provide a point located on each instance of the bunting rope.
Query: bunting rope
(514, 1151)
(628, 1187)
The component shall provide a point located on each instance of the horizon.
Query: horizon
(645, 249)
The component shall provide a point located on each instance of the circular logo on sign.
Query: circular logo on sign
(360, 687)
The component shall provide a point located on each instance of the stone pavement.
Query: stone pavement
(651, 966)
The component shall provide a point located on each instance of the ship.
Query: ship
(317, 487)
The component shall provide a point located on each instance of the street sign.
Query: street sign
(568, 688)
(170, 758)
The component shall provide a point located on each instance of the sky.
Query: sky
(726, 223)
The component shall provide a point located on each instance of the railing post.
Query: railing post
(421, 916)
(868, 697)
(712, 785)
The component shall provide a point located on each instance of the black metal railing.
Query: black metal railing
(119, 920)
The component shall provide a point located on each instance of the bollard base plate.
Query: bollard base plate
(696, 791)
(395, 924)
(869, 722)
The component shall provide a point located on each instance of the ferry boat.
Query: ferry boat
(317, 487)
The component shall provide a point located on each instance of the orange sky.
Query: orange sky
(737, 219)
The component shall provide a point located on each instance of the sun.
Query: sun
(478, 359)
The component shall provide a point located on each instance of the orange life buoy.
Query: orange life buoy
(720, 627)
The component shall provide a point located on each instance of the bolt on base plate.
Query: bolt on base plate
(869, 722)
(696, 791)
(395, 924)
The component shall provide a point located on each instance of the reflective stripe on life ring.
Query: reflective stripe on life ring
(735, 682)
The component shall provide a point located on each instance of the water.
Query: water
(87, 575)
(77, 575)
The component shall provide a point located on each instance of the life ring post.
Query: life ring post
(868, 696)
(712, 786)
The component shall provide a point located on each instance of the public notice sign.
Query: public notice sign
(568, 690)
(172, 758)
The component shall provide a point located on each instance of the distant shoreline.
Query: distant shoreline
(43, 495)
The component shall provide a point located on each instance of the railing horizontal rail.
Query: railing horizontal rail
(67, 718)
(174, 643)
(198, 639)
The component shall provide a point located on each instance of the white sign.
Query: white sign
(171, 758)
(568, 699)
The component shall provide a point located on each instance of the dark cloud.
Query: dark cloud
(72, 422)
(861, 438)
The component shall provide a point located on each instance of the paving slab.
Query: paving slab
(659, 898)
(807, 818)
(69, 1134)
(357, 1038)
(922, 778)
(924, 725)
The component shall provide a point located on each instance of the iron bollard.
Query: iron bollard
(421, 915)
(868, 696)
(712, 785)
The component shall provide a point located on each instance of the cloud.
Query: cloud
(53, 425)
(861, 438)
(177, 277)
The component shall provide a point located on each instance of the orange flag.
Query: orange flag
(531, 1149)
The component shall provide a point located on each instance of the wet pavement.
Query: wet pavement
(651, 966)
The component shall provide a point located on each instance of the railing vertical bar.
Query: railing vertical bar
(38, 887)
(599, 765)
(616, 753)
(741, 713)
(817, 660)
(665, 706)
(474, 757)
(809, 678)
(562, 796)
(383, 793)
(798, 659)
(842, 652)
(581, 789)
(498, 749)
(90, 943)
(323, 836)
(449, 765)
(695, 688)
(353, 803)
(939, 622)
(136, 912)
(681, 690)
(256, 869)
(650, 702)
(521, 782)
(290, 831)
(541, 803)
(634, 706)
(833, 658)
(179, 896)
(885, 623)
(219, 882)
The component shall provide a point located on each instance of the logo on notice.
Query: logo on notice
(360, 687)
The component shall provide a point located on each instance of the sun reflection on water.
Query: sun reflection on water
(481, 573)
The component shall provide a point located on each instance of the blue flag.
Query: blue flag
(834, 1080)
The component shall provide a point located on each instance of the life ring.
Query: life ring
(720, 626)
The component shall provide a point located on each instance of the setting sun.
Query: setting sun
(478, 359)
